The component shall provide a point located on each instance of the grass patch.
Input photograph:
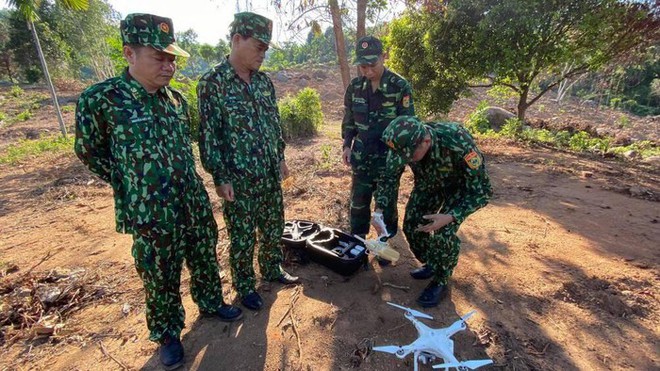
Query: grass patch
(26, 149)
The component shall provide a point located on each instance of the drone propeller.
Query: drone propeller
(469, 364)
(391, 349)
(411, 311)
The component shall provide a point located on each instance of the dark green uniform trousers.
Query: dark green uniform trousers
(159, 257)
(439, 250)
(257, 207)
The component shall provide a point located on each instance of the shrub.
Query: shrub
(623, 121)
(562, 138)
(33, 75)
(579, 141)
(16, 91)
(582, 141)
(512, 128)
(645, 148)
(301, 115)
(24, 116)
(538, 136)
(477, 122)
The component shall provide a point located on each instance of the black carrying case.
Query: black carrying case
(330, 247)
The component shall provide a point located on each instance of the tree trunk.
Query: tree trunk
(361, 27)
(340, 44)
(522, 103)
(47, 76)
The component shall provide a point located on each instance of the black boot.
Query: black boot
(171, 353)
(226, 313)
(432, 295)
(253, 301)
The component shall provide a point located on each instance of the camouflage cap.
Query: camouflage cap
(367, 50)
(252, 25)
(403, 135)
(150, 30)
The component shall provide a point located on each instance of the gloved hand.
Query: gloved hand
(378, 223)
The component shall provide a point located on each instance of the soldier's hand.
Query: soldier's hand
(378, 223)
(346, 156)
(284, 170)
(225, 191)
(437, 221)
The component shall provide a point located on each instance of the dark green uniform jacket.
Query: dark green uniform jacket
(240, 132)
(140, 144)
(453, 168)
(367, 113)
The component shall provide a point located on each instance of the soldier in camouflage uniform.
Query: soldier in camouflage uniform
(451, 183)
(133, 132)
(241, 146)
(371, 102)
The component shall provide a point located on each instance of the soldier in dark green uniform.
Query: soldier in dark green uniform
(451, 183)
(133, 132)
(371, 102)
(241, 146)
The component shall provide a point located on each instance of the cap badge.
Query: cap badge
(164, 27)
(365, 45)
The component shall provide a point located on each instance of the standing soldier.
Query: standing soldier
(451, 183)
(241, 146)
(371, 102)
(133, 132)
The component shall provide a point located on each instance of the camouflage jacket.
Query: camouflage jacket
(367, 113)
(240, 137)
(453, 167)
(140, 144)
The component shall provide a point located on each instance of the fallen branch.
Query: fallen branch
(535, 352)
(105, 353)
(404, 288)
(294, 298)
(39, 263)
(289, 313)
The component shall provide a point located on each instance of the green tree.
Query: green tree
(6, 54)
(28, 9)
(56, 52)
(515, 43)
(86, 34)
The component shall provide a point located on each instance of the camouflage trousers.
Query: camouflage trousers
(159, 257)
(363, 189)
(438, 250)
(257, 209)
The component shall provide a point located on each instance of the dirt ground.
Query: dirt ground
(561, 266)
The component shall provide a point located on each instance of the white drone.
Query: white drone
(433, 343)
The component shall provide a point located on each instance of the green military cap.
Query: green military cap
(367, 50)
(252, 25)
(150, 30)
(403, 135)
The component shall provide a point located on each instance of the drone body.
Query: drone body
(433, 343)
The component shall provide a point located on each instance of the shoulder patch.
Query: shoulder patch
(473, 160)
(405, 101)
